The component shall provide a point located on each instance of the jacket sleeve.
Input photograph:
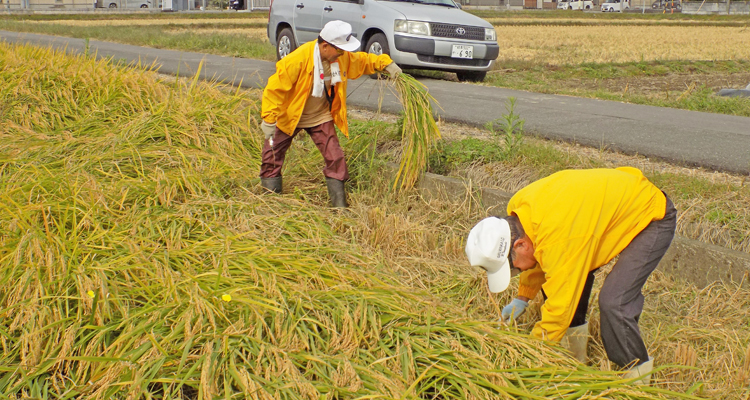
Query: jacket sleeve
(361, 63)
(568, 266)
(278, 88)
(530, 282)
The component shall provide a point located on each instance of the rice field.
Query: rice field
(139, 259)
(555, 41)
(152, 21)
(572, 45)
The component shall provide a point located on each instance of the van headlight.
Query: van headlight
(413, 27)
(490, 34)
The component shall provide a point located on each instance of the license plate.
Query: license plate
(459, 51)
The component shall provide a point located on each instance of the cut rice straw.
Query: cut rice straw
(419, 131)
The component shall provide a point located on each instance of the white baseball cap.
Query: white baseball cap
(488, 247)
(339, 34)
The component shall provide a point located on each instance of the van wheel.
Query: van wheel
(144, 6)
(112, 5)
(285, 43)
(378, 44)
(471, 76)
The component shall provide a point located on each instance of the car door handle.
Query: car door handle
(300, 5)
(329, 8)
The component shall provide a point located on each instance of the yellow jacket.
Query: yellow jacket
(579, 220)
(288, 89)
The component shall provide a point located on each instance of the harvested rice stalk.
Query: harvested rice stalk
(134, 265)
(419, 131)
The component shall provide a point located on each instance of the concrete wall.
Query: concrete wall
(686, 259)
(735, 7)
(77, 5)
(493, 4)
(20, 5)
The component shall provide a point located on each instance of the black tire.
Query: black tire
(471, 76)
(112, 5)
(144, 6)
(377, 44)
(285, 43)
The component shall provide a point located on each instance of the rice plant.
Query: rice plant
(139, 260)
(419, 130)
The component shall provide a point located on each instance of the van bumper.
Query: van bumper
(435, 53)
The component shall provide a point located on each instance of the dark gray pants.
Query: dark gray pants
(621, 300)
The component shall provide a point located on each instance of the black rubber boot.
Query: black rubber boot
(337, 193)
(272, 184)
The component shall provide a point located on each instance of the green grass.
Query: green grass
(158, 36)
(625, 17)
(588, 80)
(136, 16)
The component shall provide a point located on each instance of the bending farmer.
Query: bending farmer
(308, 91)
(561, 229)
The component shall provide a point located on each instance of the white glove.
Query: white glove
(268, 129)
(514, 309)
(393, 70)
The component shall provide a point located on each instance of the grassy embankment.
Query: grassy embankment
(138, 259)
(666, 60)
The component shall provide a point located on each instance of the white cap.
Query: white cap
(339, 34)
(488, 246)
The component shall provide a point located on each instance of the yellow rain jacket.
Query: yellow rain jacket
(578, 221)
(288, 89)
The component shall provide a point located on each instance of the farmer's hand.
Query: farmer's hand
(393, 70)
(514, 309)
(268, 129)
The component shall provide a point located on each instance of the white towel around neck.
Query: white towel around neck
(319, 74)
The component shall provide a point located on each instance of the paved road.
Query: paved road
(713, 141)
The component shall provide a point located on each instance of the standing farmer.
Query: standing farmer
(561, 229)
(308, 91)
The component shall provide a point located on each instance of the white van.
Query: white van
(130, 3)
(615, 5)
(423, 34)
(575, 5)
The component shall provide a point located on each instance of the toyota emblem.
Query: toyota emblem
(460, 31)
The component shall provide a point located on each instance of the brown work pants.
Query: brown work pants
(324, 137)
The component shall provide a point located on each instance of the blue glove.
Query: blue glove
(514, 309)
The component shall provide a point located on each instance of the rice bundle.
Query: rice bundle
(135, 263)
(419, 131)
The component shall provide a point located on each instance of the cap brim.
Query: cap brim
(499, 280)
(352, 45)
